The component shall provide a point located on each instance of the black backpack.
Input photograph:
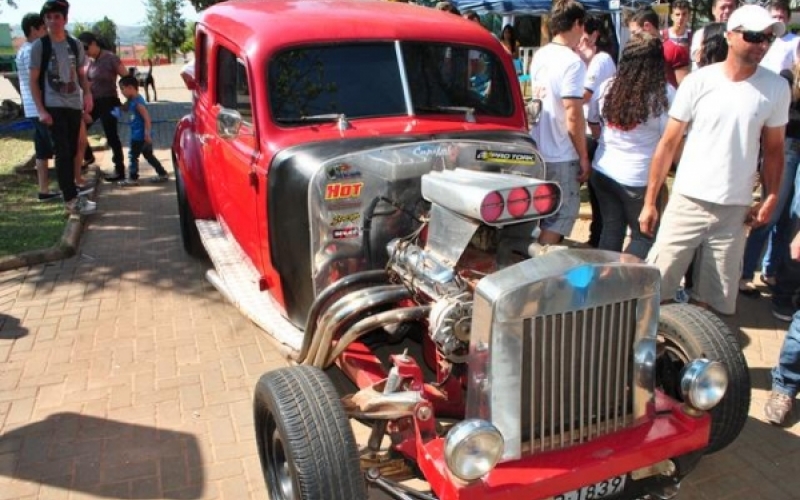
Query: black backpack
(47, 52)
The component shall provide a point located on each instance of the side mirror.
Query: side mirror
(229, 122)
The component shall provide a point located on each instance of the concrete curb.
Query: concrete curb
(65, 248)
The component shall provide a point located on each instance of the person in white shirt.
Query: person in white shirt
(721, 11)
(33, 28)
(711, 203)
(628, 119)
(557, 79)
(782, 54)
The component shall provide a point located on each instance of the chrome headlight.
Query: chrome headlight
(703, 383)
(472, 448)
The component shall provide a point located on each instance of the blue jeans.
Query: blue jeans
(620, 206)
(777, 232)
(786, 375)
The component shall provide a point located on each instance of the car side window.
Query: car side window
(201, 53)
(233, 90)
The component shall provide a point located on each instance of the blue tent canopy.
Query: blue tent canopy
(521, 7)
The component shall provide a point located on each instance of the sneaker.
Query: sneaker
(113, 177)
(129, 182)
(159, 178)
(748, 289)
(49, 196)
(85, 189)
(778, 407)
(782, 313)
(81, 206)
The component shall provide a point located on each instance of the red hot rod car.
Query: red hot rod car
(360, 175)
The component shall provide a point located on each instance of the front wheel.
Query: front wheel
(190, 236)
(305, 441)
(687, 332)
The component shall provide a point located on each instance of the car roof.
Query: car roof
(257, 24)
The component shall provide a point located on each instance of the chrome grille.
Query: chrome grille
(577, 375)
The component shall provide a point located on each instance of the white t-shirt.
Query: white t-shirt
(556, 73)
(782, 53)
(624, 155)
(24, 72)
(697, 42)
(726, 120)
(600, 69)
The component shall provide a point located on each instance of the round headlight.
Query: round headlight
(703, 383)
(472, 448)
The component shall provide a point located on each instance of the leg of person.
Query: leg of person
(133, 163)
(787, 284)
(111, 130)
(633, 202)
(596, 227)
(43, 148)
(161, 173)
(778, 243)
(82, 147)
(681, 231)
(785, 376)
(720, 263)
(612, 233)
(65, 132)
(153, 84)
(88, 154)
(555, 227)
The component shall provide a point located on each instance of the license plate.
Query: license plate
(603, 489)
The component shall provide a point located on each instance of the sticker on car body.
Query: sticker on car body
(342, 171)
(343, 191)
(348, 232)
(505, 157)
(342, 219)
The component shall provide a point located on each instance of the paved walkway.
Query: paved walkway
(124, 374)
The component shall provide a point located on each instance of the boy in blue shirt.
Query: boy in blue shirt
(141, 136)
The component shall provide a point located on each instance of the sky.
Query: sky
(122, 12)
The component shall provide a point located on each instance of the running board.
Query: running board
(236, 278)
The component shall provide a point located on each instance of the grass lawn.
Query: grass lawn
(25, 223)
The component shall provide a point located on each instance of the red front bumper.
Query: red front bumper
(670, 434)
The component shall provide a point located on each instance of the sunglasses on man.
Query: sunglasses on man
(756, 36)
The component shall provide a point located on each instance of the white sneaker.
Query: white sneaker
(81, 206)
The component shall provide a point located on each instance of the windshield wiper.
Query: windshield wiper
(469, 113)
(322, 118)
(339, 118)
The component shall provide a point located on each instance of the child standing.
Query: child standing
(141, 134)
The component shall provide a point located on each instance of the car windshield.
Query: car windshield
(319, 83)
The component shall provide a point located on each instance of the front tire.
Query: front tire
(190, 236)
(305, 441)
(687, 332)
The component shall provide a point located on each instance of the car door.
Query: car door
(232, 160)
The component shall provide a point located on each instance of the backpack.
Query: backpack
(47, 53)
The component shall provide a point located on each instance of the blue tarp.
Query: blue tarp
(521, 7)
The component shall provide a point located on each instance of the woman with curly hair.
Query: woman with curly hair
(714, 46)
(628, 120)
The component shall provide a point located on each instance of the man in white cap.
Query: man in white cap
(733, 108)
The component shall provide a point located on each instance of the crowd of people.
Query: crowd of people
(67, 84)
(666, 107)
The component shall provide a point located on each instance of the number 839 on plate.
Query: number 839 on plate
(596, 491)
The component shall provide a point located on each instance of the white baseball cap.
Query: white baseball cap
(754, 18)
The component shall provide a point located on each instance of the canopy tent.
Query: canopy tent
(526, 7)
(510, 8)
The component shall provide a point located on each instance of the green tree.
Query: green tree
(77, 28)
(166, 28)
(106, 31)
(188, 44)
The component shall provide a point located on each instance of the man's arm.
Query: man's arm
(36, 94)
(771, 173)
(659, 168)
(88, 101)
(142, 109)
(576, 127)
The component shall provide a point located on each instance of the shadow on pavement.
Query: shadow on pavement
(10, 328)
(104, 458)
